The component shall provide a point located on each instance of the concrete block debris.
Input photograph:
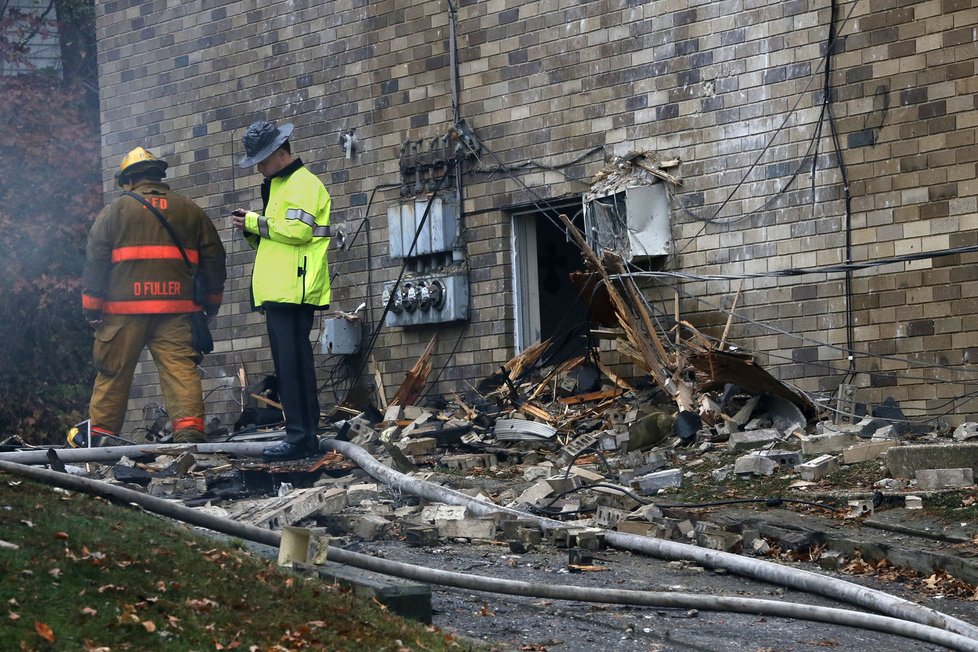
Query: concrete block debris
(935, 479)
(833, 442)
(818, 468)
(783, 457)
(654, 482)
(755, 465)
(749, 440)
(866, 451)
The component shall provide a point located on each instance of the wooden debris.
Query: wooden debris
(379, 379)
(267, 401)
(633, 316)
(591, 396)
(416, 377)
(517, 365)
(537, 411)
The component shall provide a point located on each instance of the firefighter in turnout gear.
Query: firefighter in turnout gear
(290, 280)
(138, 293)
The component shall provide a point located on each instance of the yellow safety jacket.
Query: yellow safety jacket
(133, 267)
(291, 238)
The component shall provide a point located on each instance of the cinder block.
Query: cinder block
(932, 479)
(358, 493)
(829, 443)
(866, 451)
(533, 494)
(745, 441)
(905, 461)
(370, 527)
(755, 465)
(653, 482)
(467, 528)
(818, 468)
(420, 446)
(783, 457)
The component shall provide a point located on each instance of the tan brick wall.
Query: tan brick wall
(720, 84)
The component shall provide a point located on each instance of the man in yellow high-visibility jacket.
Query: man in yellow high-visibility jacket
(290, 280)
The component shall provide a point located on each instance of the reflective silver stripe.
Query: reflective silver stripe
(263, 226)
(321, 232)
(302, 216)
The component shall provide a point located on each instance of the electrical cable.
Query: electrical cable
(570, 465)
(925, 625)
(876, 356)
(801, 95)
(380, 322)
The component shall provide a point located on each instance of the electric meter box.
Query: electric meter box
(340, 336)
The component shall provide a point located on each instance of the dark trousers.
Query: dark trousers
(289, 326)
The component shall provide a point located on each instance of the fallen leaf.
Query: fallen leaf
(13, 616)
(486, 611)
(88, 611)
(28, 523)
(55, 572)
(91, 646)
(61, 535)
(44, 631)
(201, 604)
(149, 626)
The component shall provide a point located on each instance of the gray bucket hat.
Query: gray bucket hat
(261, 139)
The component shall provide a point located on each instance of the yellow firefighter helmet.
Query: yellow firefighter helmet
(136, 161)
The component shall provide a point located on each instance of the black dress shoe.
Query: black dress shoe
(285, 450)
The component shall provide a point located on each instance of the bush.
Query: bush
(51, 192)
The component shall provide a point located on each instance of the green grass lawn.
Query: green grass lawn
(95, 576)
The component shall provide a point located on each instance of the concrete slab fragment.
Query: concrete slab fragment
(866, 451)
(744, 441)
(905, 461)
(935, 479)
(403, 597)
(834, 442)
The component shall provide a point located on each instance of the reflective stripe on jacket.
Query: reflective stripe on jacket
(292, 238)
(133, 267)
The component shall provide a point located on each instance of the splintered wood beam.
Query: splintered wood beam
(638, 305)
(733, 309)
(379, 379)
(562, 368)
(615, 378)
(625, 316)
(517, 364)
(591, 396)
(414, 380)
(537, 411)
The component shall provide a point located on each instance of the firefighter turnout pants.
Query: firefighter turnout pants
(118, 345)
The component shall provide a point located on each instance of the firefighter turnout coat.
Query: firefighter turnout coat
(132, 265)
(291, 238)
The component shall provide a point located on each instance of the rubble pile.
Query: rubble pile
(570, 443)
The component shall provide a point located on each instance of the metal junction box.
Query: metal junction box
(633, 222)
(438, 233)
(428, 299)
(341, 336)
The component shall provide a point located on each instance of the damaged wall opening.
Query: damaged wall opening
(547, 304)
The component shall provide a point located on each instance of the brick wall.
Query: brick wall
(732, 88)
